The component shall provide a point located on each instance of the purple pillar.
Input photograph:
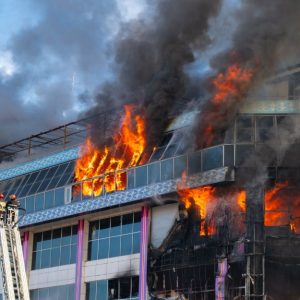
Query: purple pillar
(79, 258)
(143, 253)
(25, 248)
(220, 279)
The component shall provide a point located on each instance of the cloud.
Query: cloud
(39, 60)
(7, 65)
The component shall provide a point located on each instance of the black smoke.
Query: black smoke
(150, 57)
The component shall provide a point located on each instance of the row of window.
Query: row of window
(120, 288)
(64, 292)
(54, 248)
(39, 181)
(114, 236)
(110, 237)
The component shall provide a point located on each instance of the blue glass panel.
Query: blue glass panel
(73, 254)
(114, 249)
(94, 230)
(136, 243)
(102, 290)
(127, 223)
(212, 158)
(126, 244)
(39, 202)
(194, 163)
(56, 238)
(180, 165)
(59, 196)
(36, 260)
(104, 228)
(154, 173)
(49, 199)
(115, 228)
(130, 178)
(30, 204)
(65, 255)
(91, 290)
(45, 258)
(46, 244)
(55, 254)
(103, 248)
(141, 176)
(37, 242)
(167, 169)
(93, 250)
(66, 236)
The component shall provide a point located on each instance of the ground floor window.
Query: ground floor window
(54, 248)
(64, 292)
(117, 288)
(115, 236)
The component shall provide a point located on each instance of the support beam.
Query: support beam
(25, 248)
(255, 244)
(144, 253)
(79, 259)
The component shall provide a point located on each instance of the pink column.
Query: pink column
(25, 248)
(220, 279)
(79, 258)
(144, 253)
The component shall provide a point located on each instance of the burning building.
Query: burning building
(122, 221)
(189, 192)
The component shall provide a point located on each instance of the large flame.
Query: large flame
(282, 206)
(206, 199)
(229, 87)
(129, 144)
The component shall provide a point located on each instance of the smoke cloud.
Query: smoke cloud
(150, 56)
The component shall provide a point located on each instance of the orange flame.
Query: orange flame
(129, 142)
(229, 87)
(202, 197)
(231, 83)
(275, 205)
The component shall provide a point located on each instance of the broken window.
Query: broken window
(244, 129)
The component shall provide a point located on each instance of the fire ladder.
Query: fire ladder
(15, 286)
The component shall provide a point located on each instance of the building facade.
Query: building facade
(128, 244)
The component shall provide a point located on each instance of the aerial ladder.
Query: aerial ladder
(15, 285)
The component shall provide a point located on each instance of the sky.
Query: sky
(53, 56)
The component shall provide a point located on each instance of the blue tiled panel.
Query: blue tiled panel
(113, 199)
(38, 164)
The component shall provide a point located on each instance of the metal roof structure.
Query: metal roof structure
(60, 138)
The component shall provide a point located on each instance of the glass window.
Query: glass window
(141, 176)
(54, 247)
(114, 249)
(264, 128)
(59, 197)
(115, 224)
(126, 244)
(127, 223)
(49, 199)
(244, 129)
(63, 292)
(103, 246)
(117, 236)
(180, 165)
(117, 288)
(154, 173)
(39, 202)
(212, 158)
(167, 169)
(194, 163)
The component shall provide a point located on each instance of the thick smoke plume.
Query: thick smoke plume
(151, 56)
